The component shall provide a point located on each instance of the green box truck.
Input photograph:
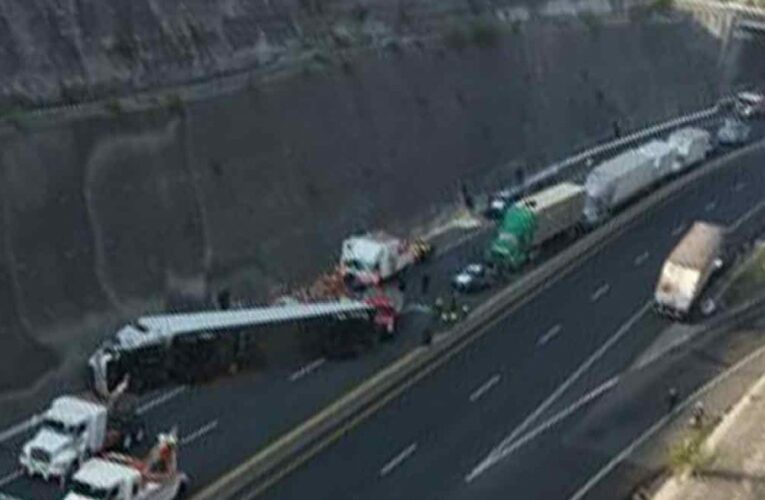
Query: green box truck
(533, 221)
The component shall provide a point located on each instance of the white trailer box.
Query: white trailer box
(662, 154)
(557, 209)
(688, 268)
(692, 146)
(617, 180)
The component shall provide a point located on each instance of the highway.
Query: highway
(449, 435)
(430, 438)
(231, 418)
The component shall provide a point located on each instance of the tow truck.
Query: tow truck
(122, 477)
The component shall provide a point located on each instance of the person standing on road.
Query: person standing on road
(427, 336)
(672, 399)
(425, 284)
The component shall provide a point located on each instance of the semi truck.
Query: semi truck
(371, 258)
(121, 477)
(688, 268)
(194, 347)
(74, 428)
(533, 221)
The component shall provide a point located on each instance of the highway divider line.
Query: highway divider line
(587, 398)
(653, 429)
(294, 448)
(575, 375)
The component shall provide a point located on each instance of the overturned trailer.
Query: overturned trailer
(193, 347)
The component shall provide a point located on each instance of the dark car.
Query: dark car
(472, 278)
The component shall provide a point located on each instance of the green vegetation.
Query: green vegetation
(662, 5)
(113, 106)
(15, 116)
(480, 33)
(174, 103)
(485, 33)
(688, 454)
(591, 21)
(750, 278)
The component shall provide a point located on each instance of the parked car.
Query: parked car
(473, 278)
(733, 132)
(750, 104)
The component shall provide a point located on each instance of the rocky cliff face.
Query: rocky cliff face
(110, 215)
(59, 51)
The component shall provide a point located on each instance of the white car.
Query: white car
(733, 132)
(750, 104)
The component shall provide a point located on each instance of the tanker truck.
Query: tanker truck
(688, 268)
(533, 221)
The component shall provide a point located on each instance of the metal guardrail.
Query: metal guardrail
(567, 167)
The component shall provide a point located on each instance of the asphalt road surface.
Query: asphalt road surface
(452, 435)
(435, 434)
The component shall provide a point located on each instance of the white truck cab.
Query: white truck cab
(104, 480)
(120, 477)
(71, 430)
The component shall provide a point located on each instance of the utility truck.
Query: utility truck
(688, 268)
(371, 258)
(74, 428)
(533, 221)
(121, 477)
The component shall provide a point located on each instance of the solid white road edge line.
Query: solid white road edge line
(595, 356)
(626, 452)
(493, 458)
(396, 461)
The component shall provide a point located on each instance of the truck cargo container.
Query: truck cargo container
(534, 220)
(692, 145)
(688, 268)
(663, 154)
(619, 179)
(192, 347)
